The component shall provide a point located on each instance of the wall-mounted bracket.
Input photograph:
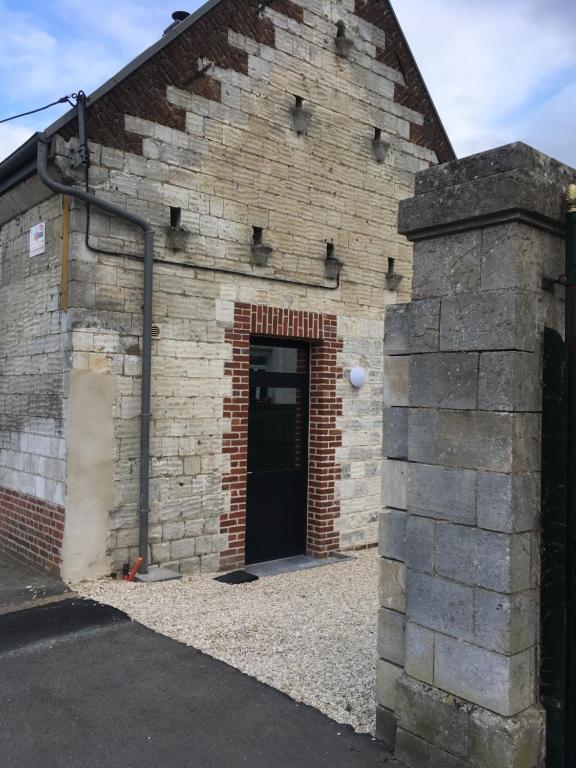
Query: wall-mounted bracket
(79, 156)
(260, 254)
(381, 149)
(548, 283)
(301, 117)
(343, 44)
(178, 239)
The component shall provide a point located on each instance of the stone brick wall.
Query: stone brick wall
(222, 152)
(32, 390)
(459, 676)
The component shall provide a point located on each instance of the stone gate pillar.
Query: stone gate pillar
(487, 232)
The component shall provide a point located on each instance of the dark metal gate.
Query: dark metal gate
(558, 596)
(554, 633)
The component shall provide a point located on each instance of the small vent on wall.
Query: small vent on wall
(301, 116)
(392, 278)
(343, 44)
(155, 331)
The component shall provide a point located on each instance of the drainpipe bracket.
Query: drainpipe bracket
(79, 156)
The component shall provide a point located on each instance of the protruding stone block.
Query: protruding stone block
(411, 750)
(516, 255)
(395, 433)
(447, 265)
(420, 544)
(444, 380)
(441, 605)
(508, 503)
(397, 329)
(497, 442)
(498, 742)
(505, 623)
(502, 684)
(496, 561)
(424, 326)
(386, 726)
(510, 381)
(419, 653)
(503, 319)
(433, 716)
(391, 636)
(445, 494)
(386, 680)
(394, 483)
(392, 584)
(396, 369)
(501, 183)
(392, 534)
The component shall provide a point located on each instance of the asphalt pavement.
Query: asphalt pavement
(22, 585)
(82, 686)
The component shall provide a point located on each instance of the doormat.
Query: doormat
(236, 577)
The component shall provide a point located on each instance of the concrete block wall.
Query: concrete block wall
(236, 163)
(464, 687)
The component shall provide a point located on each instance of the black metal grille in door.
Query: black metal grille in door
(277, 450)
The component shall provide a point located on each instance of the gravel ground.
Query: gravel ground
(311, 634)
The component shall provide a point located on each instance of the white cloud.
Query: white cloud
(72, 45)
(490, 65)
(12, 136)
(551, 128)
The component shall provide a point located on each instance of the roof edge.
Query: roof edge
(133, 65)
(13, 163)
(422, 80)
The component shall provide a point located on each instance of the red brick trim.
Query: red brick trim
(325, 437)
(143, 93)
(414, 93)
(31, 528)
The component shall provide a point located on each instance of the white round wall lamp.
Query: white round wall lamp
(358, 377)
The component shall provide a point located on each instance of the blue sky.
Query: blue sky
(498, 70)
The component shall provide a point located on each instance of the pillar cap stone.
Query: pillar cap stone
(511, 183)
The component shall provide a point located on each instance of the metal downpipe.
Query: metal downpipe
(113, 210)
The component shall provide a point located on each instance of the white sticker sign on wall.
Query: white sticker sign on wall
(38, 239)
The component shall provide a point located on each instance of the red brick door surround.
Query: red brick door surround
(325, 406)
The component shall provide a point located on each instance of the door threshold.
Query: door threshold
(292, 564)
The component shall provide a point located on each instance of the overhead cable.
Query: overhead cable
(71, 99)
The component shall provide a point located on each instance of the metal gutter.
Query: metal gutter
(24, 173)
(19, 166)
(11, 166)
(113, 210)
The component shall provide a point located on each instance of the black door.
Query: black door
(277, 450)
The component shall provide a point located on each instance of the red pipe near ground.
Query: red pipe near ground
(132, 575)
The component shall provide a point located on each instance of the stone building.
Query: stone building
(268, 145)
